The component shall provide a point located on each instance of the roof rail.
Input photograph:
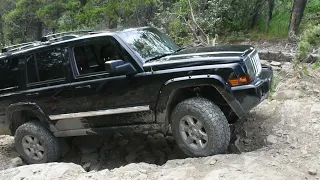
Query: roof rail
(17, 46)
(56, 35)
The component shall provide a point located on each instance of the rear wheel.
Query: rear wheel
(200, 127)
(36, 144)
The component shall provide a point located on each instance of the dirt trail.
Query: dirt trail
(278, 140)
(275, 45)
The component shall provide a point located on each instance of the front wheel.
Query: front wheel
(200, 128)
(36, 144)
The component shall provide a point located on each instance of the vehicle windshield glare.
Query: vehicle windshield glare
(149, 43)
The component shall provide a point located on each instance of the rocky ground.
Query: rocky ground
(274, 46)
(278, 140)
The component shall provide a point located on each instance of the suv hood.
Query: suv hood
(201, 56)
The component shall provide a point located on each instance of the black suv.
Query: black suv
(88, 83)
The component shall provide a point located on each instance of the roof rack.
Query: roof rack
(17, 46)
(64, 35)
(48, 39)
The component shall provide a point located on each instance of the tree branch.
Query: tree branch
(197, 25)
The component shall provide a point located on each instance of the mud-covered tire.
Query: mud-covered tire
(212, 119)
(45, 138)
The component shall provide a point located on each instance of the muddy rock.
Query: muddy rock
(147, 157)
(87, 141)
(136, 141)
(271, 139)
(209, 160)
(162, 161)
(246, 141)
(87, 149)
(264, 62)
(167, 150)
(86, 166)
(312, 172)
(135, 148)
(16, 162)
(275, 63)
(158, 136)
(131, 157)
(156, 143)
(92, 157)
(159, 153)
(170, 140)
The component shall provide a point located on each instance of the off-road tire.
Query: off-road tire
(49, 142)
(213, 120)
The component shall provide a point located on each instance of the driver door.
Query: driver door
(102, 98)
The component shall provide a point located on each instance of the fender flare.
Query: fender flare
(170, 87)
(29, 106)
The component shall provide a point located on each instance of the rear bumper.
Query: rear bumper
(249, 96)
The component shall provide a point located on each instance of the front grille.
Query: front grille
(253, 64)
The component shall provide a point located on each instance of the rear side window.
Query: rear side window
(10, 74)
(45, 66)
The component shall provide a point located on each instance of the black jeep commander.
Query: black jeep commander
(86, 83)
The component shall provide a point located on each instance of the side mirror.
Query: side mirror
(119, 66)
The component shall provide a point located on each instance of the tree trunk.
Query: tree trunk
(113, 23)
(83, 2)
(270, 11)
(2, 41)
(256, 11)
(39, 31)
(296, 16)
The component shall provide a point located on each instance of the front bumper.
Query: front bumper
(249, 96)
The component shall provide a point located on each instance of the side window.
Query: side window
(10, 74)
(91, 58)
(32, 70)
(45, 66)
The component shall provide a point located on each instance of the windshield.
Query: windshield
(149, 43)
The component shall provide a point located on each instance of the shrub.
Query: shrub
(309, 42)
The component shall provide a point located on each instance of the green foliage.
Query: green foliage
(316, 65)
(51, 13)
(22, 21)
(312, 12)
(213, 16)
(276, 81)
(279, 24)
(25, 20)
(309, 41)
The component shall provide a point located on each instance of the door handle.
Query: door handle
(83, 87)
(32, 94)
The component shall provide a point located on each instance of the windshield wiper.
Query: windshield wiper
(158, 57)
